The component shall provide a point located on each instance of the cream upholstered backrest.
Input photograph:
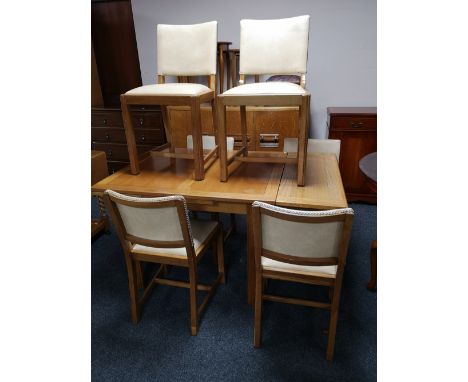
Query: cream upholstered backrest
(274, 46)
(209, 142)
(187, 50)
(302, 239)
(151, 221)
(314, 146)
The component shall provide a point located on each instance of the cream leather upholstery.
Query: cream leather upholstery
(176, 89)
(324, 271)
(312, 240)
(151, 223)
(201, 229)
(187, 50)
(266, 88)
(209, 142)
(314, 146)
(274, 46)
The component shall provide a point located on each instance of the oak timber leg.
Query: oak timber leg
(243, 118)
(250, 258)
(335, 303)
(193, 299)
(220, 254)
(198, 161)
(222, 147)
(132, 287)
(302, 141)
(130, 135)
(258, 309)
(221, 70)
(139, 275)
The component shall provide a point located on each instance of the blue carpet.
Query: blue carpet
(160, 347)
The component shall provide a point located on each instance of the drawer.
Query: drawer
(353, 123)
(118, 151)
(149, 120)
(106, 118)
(116, 135)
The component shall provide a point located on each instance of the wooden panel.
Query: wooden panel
(323, 188)
(283, 122)
(115, 48)
(96, 94)
(354, 146)
(98, 166)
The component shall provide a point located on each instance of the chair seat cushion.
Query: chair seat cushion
(266, 88)
(328, 271)
(201, 229)
(175, 89)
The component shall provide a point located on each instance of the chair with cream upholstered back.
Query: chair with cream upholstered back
(182, 51)
(300, 246)
(158, 230)
(269, 47)
(315, 146)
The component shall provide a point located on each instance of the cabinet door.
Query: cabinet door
(354, 145)
(272, 126)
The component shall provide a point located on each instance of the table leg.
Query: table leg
(250, 258)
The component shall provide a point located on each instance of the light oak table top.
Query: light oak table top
(323, 187)
(164, 176)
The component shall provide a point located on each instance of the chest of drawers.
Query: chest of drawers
(108, 133)
(356, 127)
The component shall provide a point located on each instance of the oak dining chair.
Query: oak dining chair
(183, 51)
(158, 230)
(315, 146)
(300, 246)
(268, 47)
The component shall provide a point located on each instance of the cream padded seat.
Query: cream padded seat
(322, 271)
(201, 229)
(177, 89)
(267, 88)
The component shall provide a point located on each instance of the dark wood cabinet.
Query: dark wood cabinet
(115, 69)
(356, 127)
(108, 133)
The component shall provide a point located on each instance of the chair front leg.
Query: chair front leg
(220, 253)
(302, 141)
(258, 309)
(198, 161)
(222, 146)
(130, 136)
(193, 299)
(133, 287)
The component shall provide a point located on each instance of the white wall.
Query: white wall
(342, 66)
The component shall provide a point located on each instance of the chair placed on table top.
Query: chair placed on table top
(182, 51)
(315, 146)
(209, 142)
(268, 47)
(301, 246)
(158, 230)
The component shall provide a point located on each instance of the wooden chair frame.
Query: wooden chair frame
(201, 161)
(261, 275)
(243, 154)
(134, 259)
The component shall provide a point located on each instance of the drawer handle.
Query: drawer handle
(269, 140)
(141, 121)
(142, 138)
(104, 121)
(357, 124)
(107, 136)
(109, 152)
